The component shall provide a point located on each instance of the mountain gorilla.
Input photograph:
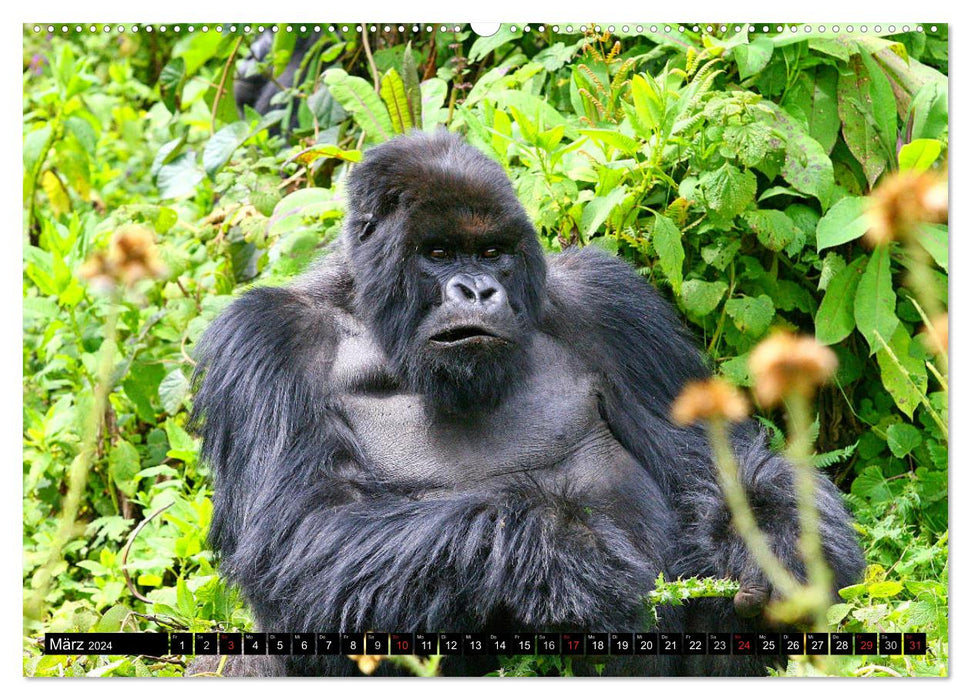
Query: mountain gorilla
(255, 88)
(441, 428)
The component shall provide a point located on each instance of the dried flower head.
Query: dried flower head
(936, 339)
(709, 399)
(367, 663)
(903, 201)
(785, 363)
(131, 256)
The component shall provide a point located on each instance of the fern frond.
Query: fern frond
(592, 77)
(601, 110)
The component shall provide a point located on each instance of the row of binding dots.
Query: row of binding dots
(556, 29)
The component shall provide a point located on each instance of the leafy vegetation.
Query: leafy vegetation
(734, 170)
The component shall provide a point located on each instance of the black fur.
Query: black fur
(256, 88)
(369, 477)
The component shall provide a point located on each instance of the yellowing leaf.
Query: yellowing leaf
(54, 189)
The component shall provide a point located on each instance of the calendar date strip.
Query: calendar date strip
(483, 643)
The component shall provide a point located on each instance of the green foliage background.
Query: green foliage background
(730, 168)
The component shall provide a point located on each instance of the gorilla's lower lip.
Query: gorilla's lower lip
(463, 334)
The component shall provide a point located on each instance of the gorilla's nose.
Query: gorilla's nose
(481, 291)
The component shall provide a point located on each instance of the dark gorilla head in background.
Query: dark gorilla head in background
(449, 273)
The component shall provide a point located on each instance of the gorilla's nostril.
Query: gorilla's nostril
(466, 290)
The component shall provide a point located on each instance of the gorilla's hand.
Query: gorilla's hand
(753, 594)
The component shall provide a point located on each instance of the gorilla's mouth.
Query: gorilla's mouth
(461, 335)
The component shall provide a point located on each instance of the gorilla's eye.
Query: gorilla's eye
(491, 253)
(438, 254)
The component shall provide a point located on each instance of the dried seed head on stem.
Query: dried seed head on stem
(936, 340)
(785, 363)
(366, 663)
(131, 256)
(904, 201)
(707, 400)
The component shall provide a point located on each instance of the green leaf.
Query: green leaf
(823, 116)
(902, 371)
(773, 228)
(172, 391)
(752, 315)
(807, 165)
(835, 319)
(165, 219)
(84, 133)
(282, 50)
(919, 154)
(882, 101)
(113, 619)
(872, 485)
(648, 105)
(167, 153)
(884, 589)
(837, 612)
(180, 177)
(220, 148)
(181, 444)
(396, 99)
(930, 111)
(860, 125)
(326, 150)
(434, 91)
(831, 47)
(324, 108)
(303, 208)
(140, 386)
(170, 82)
(536, 108)
(185, 600)
(200, 48)
(728, 190)
(666, 238)
(903, 438)
(844, 222)
(357, 96)
(596, 211)
(736, 370)
(752, 57)
(124, 465)
(700, 298)
(409, 75)
(933, 239)
(623, 143)
(486, 44)
(33, 145)
(875, 301)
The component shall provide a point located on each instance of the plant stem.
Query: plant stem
(78, 473)
(742, 516)
(57, 127)
(221, 88)
(799, 417)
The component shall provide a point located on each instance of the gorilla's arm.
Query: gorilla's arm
(318, 542)
(621, 324)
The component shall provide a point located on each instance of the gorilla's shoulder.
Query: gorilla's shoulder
(619, 321)
(592, 279)
(295, 327)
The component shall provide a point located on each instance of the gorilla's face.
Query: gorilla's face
(447, 268)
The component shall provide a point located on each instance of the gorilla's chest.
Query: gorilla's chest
(550, 420)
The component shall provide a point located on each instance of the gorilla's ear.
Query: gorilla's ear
(368, 225)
